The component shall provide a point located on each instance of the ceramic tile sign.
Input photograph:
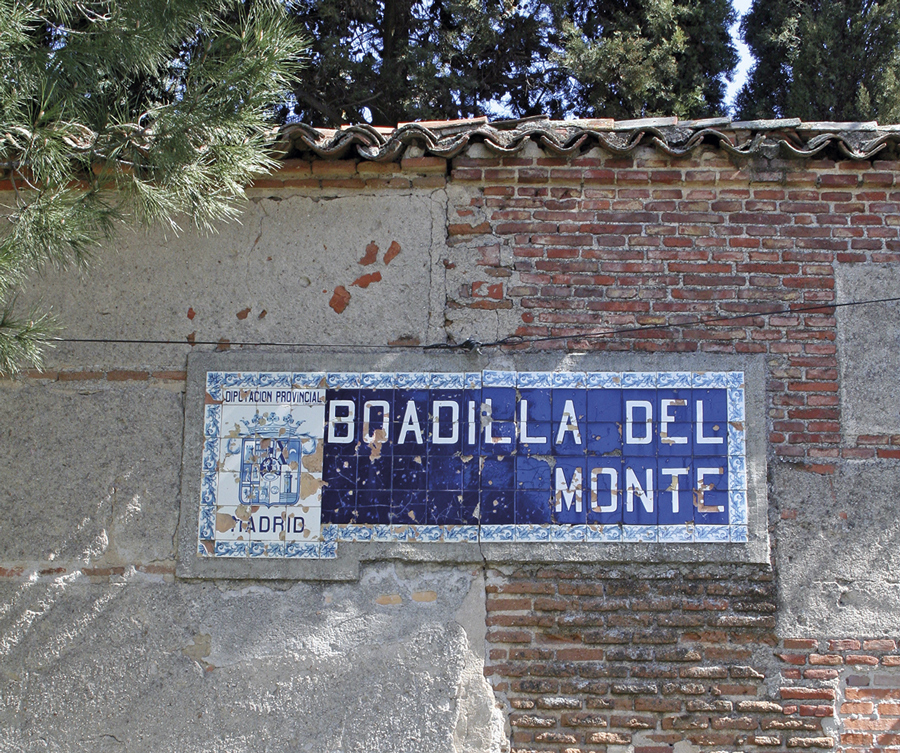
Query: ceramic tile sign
(295, 463)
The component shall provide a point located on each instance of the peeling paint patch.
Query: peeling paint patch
(243, 314)
(191, 313)
(392, 252)
(365, 280)
(191, 338)
(424, 596)
(223, 345)
(388, 599)
(340, 299)
(371, 255)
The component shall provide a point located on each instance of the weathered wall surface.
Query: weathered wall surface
(102, 647)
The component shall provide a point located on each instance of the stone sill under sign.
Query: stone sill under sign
(303, 465)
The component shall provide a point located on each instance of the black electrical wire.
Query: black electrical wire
(474, 345)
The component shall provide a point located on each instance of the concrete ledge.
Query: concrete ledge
(350, 554)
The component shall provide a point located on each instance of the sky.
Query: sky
(740, 76)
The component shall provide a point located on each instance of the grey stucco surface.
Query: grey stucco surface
(837, 549)
(90, 472)
(869, 341)
(390, 663)
(278, 268)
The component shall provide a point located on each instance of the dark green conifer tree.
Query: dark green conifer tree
(832, 60)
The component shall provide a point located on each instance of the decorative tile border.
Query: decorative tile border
(295, 463)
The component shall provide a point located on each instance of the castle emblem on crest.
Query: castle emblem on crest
(270, 471)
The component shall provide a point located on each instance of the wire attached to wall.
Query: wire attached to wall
(474, 345)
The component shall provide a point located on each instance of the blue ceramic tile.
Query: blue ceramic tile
(275, 549)
(542, 380)
(470, 421)
(712, 534)
(412, 381)
(711, 509)
(498, 438)
(459, 534)
(374, 475)
(428, 533)
(639, 494)
(343, 380)
(710, 380)
(210, 455)
(208, 489)
(496, 533)
(473, 380)
(675, 497)
(568, 380)
(603, 380)
(444, 434)
(497, 507)
(339, 472)
(737, 472)
(240, 380)
(498, 404)
(409, 507)
(257, 549)
(530, 533)
(534, 507)
(711, 438)
(207, 524)
(373, 507)
(328, 550)
(567, 533)
(231, 548)
(675, 534)
(452, 508)
(471, 472)
(603, 493)
(301, 550)
(735, 380)
(212, 420)
(535, 438)
(305, 380)
(338, 507)
(602, 439)
(608, 534)
(537, 405)
(215, 383)
(329, 532)
(638, 435)
(533, 473)
(376, 381)
(675, 379)
(409, 472)
(710, 476)
(383, 532)
(737, 443)
(451, 381)
(411, 411)
(403, 533)
(498, 379)
(499, 473)
(639, 380)
(737, 507)
(604, 406)
(275, 380)
(736, 405)
(569, 505)
(444, 473)
(738, 534)
(640, 534)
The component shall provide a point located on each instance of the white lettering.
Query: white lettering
(489, 424)
(647, 407)
(665, 419)
(700, 438)
(568, 422)
(334, 421)
(523, 423)
(674, 473)
(633, 487)
(613, 489)
(436, 437)
(568, 493)
(385, 406)
(410, 424)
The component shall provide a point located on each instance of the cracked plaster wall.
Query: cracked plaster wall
(101, 647)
